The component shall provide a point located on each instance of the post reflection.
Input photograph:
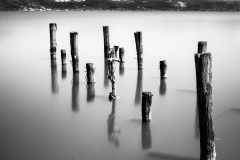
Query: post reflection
(64, 71)
(163, 87)
(90, 92)
(121, 68)
(106, 81)
(138, 94)
(112, 129)
(54, 76)
(75, 92)
(146, 136)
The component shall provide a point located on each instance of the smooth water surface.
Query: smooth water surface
(47, 112)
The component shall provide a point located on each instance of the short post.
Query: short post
(106, 40)
(139, 48)
(53, 40)
(146, 106)
(90, 73)
(121, 54)
(163, 69)
(74, 51)
(111, 76)
(116, 50)
(202, 47)
(63, 57)
(203, 64)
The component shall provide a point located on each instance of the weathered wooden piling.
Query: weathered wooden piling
(63, 57)
(106, 70)
(121, 54)
(163, 69)
(146, 106)
(203, 64)
(74, 51)
(90, 73)
(116, 50)
(146, 136)
(53, 40)
(139, 48)
(202, 47)
(106, 40)
(112, 67)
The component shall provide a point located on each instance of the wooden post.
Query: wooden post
(106, 70)
(53, 40)
(90, 73)
(116, 50)
(139, 48)
(74, 51)
(203, 64)
(90, 92)
(202, 47)
(146, 136)
(163, 69)
(63, 57)
(54, 76)
(75, 92)
(121, 54)
(146, 106)
(111, 76)
(106, 40)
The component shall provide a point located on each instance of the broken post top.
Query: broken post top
(202, 47)
(53, 26)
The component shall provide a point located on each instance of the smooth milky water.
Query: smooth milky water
(46, 114)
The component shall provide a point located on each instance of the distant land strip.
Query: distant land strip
(122, 5)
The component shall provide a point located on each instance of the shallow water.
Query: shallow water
(47, 112)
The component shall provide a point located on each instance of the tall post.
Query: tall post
(53, 40)
(74, 51)
(203, 64)
(163, 69)
(146, 106)
(90, 73)
(121, 54)
(139, 48)
(106, 40)
(202, 47)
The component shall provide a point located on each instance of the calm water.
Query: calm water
(46, 114)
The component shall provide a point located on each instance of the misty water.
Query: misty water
(47, 112)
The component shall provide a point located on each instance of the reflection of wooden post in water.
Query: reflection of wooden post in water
(116, 50)
(139, 87)
(64, 63)
(54, 76)
(112, 67)
(121, 54)
(146, 106)
(139, 48)
(90, 92)
(112, 130)
(106, 40)
(106, 81)
(121, 68)
(163, 87)
(146, 136)
(53, 40)
(163, 69)
(74, 51)
(75, 92)
(90, 73)
(203, 64)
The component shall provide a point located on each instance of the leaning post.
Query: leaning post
(203, 65)
(139, 48)
(53, 40)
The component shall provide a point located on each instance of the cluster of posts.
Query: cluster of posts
(203, 65)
